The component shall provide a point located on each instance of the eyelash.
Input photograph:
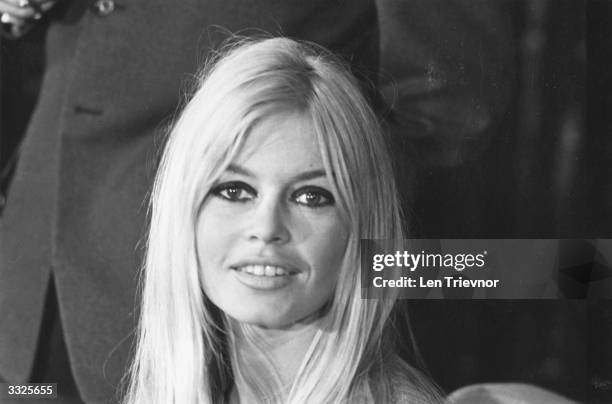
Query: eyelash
(222, 190)
(318, 192)
(219, 191)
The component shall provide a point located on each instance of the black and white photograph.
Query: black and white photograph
(324, 201)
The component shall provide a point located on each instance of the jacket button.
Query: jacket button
(104, 7)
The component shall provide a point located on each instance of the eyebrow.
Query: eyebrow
(305, 176)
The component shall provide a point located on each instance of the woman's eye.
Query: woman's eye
(234, 192)
(313, 197)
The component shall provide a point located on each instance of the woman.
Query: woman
(273, 172)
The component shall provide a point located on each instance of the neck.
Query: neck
(267, 361)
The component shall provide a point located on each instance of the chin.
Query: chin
(264, 319)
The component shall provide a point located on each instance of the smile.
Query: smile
(264, 277)
(263, 270)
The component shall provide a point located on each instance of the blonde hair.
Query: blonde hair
(182, 344)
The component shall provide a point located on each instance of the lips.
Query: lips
(264, 275)
(264, 270)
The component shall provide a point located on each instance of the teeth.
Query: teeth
(264, 270)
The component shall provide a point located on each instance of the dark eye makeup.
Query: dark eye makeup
(234, 191)
(313, 197)
(308, 196)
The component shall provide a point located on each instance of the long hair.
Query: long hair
(182, 343)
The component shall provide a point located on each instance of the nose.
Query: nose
(269, 223)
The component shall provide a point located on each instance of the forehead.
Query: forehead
(282, 142)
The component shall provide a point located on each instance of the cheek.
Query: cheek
(214, 237)
(329, 249)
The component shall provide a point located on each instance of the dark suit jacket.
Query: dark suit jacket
(77, 204)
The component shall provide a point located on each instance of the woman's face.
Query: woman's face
(269, 234)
